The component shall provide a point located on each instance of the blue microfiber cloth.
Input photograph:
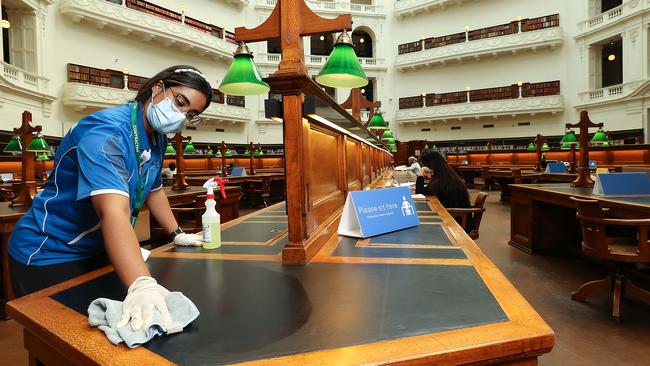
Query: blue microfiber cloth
(106, 313)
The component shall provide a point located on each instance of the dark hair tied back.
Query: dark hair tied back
(180, 75)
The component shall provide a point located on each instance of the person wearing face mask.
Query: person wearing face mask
(107, 167)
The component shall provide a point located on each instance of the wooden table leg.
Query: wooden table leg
(7, 292)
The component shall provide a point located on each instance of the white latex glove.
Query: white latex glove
(143, 297)
(188, 240)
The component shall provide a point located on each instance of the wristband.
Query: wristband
(176, 232)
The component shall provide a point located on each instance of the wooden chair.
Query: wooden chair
(475, 214)
(619, 250)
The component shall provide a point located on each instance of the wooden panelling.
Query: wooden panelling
(502, 158)
(324, 172)
(352, 164)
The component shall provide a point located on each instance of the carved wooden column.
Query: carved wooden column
(251, 158)
(179, 182)
(539, 142)
(223, 148)
(27, 185)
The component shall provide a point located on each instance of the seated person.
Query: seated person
(444, 183)
(414, 166)
(168, 173)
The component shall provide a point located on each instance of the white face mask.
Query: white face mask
(164, 117)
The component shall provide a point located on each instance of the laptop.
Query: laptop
(238, 171)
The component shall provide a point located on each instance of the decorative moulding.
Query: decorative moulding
(103, 14)
(238, 3)
(510, 44)
(86, 96)
(404, 8)
(620, 93)
(316, 62)
(492, 108)
(615, 18)
(333, 8)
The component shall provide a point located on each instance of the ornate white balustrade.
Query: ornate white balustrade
(458, 52)
(83, 96)
(612, 93)
(19, 81)
(103, 14)
(492, 108)
(316, 61)
(609, 18)
(332, 7)
(405, 8)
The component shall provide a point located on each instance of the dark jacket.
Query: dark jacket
(456, 197)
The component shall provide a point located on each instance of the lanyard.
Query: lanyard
(139, 197)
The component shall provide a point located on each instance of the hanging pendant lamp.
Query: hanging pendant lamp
(243, 77)
(342, 69)
(38, 144)
(599, 137)
(189, 148)
(388, 134)
(169, 150)
(377, 122)
(14, 146)
(531, 147)
(42, 157)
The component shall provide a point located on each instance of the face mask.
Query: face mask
(164, 117)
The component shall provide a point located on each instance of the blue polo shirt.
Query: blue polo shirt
(97, 156)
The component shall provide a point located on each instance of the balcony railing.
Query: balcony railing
(19, 80)
(83, 96)
(405, 8)
(489, 108)
(611, 93)
(441, 50)
(333, 7)
(612, 16)
(272, 59)
(171, 29)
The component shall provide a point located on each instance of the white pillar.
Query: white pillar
(633, 62)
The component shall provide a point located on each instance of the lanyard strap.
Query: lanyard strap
(139, 197)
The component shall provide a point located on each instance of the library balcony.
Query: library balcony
(152, 22)
(333, 8)
(87, 96)
(317, 62)
(612, 18)
(404, 8)
(510, 38)
(17, 80)
(512, 100)
(611, 94)
(93, 88)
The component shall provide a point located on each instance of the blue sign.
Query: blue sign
(238, 171)
(592, 164)
(377, 211)
(555, 167)
(624, 184)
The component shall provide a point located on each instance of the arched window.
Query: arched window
(322, 44)
(362, 43)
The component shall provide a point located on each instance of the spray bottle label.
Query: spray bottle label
(207, 233)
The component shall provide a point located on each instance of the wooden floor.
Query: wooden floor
(585, 334)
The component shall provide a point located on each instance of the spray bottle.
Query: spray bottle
(211, 222)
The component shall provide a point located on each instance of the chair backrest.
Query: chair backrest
(594, 236)
(479, 202)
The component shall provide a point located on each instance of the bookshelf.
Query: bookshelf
(527, 25)
(410, 102)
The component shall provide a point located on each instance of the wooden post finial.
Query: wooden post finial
(583, 179)
(27, 185)
(179, 183)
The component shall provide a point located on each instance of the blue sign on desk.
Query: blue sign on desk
(377, 211)
(555, 167)
(624, 184)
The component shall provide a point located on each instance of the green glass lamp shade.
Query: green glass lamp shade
(38, 144)
(342, 69)
(569, 138)
(606, 144)
(531, 147)
(390, 141)
(565, 146)
(42, 157)
(388, 134)
(210, 153)
(169, 150)
(189, 148)
(243, 77)
(377, 122)
(545, 147)
(14, 146)
(228, 153)
(599, 137)
(218, 153)
(247, 153)
(257, 153)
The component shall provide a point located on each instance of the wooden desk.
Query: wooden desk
(543, 217)
(505, 178)
(425, 295)
(8, 218)
(228, 208)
